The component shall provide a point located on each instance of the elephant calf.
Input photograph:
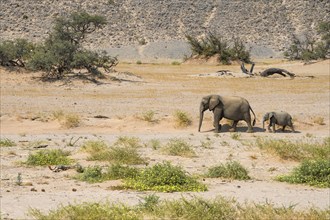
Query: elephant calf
(280, 118)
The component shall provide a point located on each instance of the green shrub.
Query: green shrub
(311, 172)
(182, 119)
(125, 155)
(309, 48)
(15, 53)
(125, 141)
(213, 44)
(149, 116)
(297, 151)
(149, 202)
(49, 157)
(93, 174)
(89, 211)
(7, 143)
(178, 147)
(62, 51)
(230, 170)
(123, 151)
(117, 171)
(194, 209)
(72, 121)
(164, 177)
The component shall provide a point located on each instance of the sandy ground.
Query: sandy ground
(27, 107)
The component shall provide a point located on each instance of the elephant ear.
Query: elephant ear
(214, 101)
(271, 114)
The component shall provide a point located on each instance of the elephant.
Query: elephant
(280, 118)
(230, 107)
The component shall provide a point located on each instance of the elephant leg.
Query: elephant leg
(248, 122)
(233, 128)
(283, 128)
(292, 128)
(217, 117)
(273, 125)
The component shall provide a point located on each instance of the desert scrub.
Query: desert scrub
(311, 172)
(164, 177)
(93, 174)
(229, 170)
(123, 151)
(148, 116)
(235, 136)
(182, 119)
(298, 150)
(196, 208)
(7, 143)
(178, 147)
(318, 120)
(154, 144)
(125, 141)
(71, 121)
(49, 157)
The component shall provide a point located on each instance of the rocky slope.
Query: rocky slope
(151, 29)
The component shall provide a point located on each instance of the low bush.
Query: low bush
(149, 116)
(229, 170)
(7, 143)
(195, 208)
(298, 150)
(93, 174)
(123, 151)
(179, 147)
(125, 141)
(311, 172)
(182, 119)
(164, 177)
(213, 44)
(49, 157)
(72, 121)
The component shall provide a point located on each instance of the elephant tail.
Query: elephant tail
(254, 120)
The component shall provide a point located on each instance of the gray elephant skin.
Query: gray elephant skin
(278, 118)
(230, 107)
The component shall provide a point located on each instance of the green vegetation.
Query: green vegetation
(164, 177)
(123, 151)
(311, 172)
(15, 52)
(179, 147)
(7, 143)
(309, 48)
(126, 141)
(72, 121)
(297, 151)
(62, 51)
(213, 44)
(149, 116)
(154, 144)
(182, 119)
(93, 174)
(49, 157)
(194, 209)
(235, 136)
(230, 170)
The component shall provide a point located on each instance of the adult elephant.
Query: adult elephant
(230, 107)
(279, 118)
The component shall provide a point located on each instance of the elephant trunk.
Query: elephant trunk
(201, 118)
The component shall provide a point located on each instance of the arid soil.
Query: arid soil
(28, 106)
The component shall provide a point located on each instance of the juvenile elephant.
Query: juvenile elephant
(231, 107)
(279, 118)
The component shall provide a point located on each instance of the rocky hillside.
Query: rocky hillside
(150, 29)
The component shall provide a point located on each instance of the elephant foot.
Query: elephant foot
(232, 129)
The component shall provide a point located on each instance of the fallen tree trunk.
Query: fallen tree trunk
(272, 71)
